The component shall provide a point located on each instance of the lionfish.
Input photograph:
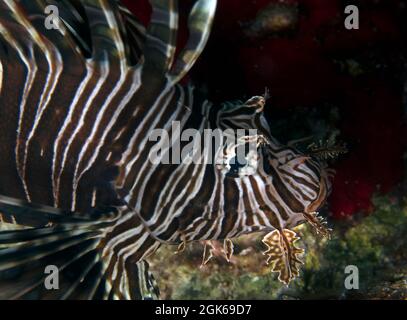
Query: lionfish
(77, 104)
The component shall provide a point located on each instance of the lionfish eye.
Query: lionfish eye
(236, 165)
(240, 162)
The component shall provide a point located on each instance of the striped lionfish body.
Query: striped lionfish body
(78, 104)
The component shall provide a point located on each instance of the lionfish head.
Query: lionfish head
(275, 188)
(280, 182)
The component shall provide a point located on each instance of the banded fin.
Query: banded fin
(90, 29)
(283, 254)
(76, 250)
(20, 212)
(11, 29)
(131, 32)
(76, 23)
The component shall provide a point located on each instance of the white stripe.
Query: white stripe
(152, 113)
(270, 189)
(135, 181)
(31, 72)
(217, 222)
(101, 81)
(114, 28)
(90, 68)
(240, 213)
(198, 173)
(95, 127)
(127, 251)
(52, 77)
(46, 96)
(136, 83)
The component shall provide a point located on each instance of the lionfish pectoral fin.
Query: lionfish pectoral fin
(69, 260)
(199, 25)
(33, 254)
(319, 224)
(23, 213)
(283, 254)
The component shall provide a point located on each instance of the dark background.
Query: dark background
(323, 79)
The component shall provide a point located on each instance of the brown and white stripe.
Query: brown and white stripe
(77, 114)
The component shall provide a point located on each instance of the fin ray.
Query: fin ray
(199, 25)
(161, 36)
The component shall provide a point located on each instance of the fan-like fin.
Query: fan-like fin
(199, 25)
(15, 211)
(75, 255)
(20, 212)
